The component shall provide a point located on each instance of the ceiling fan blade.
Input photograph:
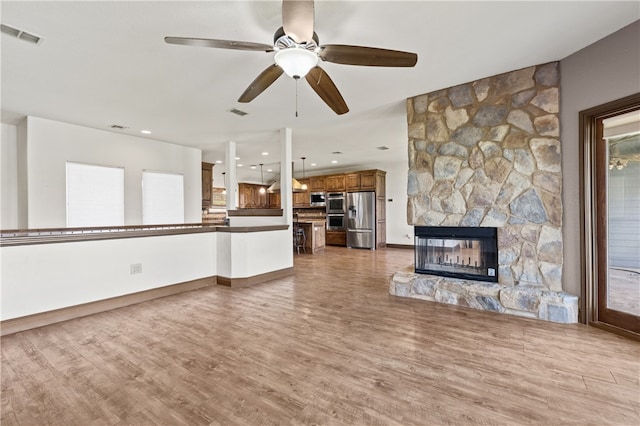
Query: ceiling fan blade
(367, 56)
(219, 44)
(297, 19)
(324, 87)
(259, 85)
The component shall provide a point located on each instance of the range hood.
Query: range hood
(295, 186)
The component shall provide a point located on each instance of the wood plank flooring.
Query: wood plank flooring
(326, 346)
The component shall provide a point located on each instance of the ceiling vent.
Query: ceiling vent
(382, 148)
(118, 127)
(238, 112)
(19, 34)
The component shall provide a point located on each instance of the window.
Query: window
(95, 195)
(162, 198)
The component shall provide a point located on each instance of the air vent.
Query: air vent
(118, 127)
(382, 148)
(238, 112)
(19, 34)
(336, 152)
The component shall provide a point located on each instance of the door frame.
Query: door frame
(590, 215)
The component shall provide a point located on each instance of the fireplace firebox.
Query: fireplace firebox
(457, 252)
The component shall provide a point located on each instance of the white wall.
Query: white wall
(9, 177)
(398, 231)
(50, 144)
(602, 72)
(40, 278)
(247, 254)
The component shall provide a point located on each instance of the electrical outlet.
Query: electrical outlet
(135, 268)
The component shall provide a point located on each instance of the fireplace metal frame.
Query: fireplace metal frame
(487, 234)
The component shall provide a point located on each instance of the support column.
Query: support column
(232, 184)
(286, 175)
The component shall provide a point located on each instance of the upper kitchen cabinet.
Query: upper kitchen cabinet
(207, 184)
(275, 201)
(367, 180)
(335, 183)
(318, 184)
(303, 198)
(250, 197)
(353, 181)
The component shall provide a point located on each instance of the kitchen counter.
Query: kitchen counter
(314, 230)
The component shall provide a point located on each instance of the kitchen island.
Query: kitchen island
(314, 231)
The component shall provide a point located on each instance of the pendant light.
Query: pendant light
(262, 189)
(224, 189)
(304, 185)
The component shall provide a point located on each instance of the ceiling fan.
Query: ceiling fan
(298, 52)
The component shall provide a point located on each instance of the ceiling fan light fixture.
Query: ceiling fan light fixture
(296, 61)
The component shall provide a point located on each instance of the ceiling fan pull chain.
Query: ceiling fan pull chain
(297, 79)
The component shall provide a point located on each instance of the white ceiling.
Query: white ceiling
(104, 63)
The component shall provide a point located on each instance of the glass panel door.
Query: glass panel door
(619, 220)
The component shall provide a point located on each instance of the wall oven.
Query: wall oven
(335, 203)
(336, 222)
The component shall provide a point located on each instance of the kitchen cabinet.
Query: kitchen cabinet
(275, 202)
(381, 183)
(250, 197)
(314, 231)
(367, 180)
(318, 184)
(336, 238)
(303, 198)
(207, 184)
(381, 221)
(353, 181)
(335, 183)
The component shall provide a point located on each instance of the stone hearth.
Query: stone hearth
(487, 153)
(523, 301)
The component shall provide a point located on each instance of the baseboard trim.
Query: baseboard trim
(401, 246)
(28, 322)
(256, 279)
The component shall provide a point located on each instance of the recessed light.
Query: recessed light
(237, 158)
(334, 161)
(265, 153)
(253, 167)
(239, 165)
(218, 161)
(146, 132)
(313, 164)
(269, 170)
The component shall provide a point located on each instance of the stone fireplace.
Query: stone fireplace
(487, 154)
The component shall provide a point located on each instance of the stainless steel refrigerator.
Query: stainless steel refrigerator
(361, 220)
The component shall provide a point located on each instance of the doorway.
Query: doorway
(610, 168)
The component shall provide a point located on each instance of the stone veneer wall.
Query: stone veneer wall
(487, 153)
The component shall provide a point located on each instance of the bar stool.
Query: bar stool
(299, 239)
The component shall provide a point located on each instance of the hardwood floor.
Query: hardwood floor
(326, 346)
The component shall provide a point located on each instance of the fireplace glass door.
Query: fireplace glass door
(457, 252)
